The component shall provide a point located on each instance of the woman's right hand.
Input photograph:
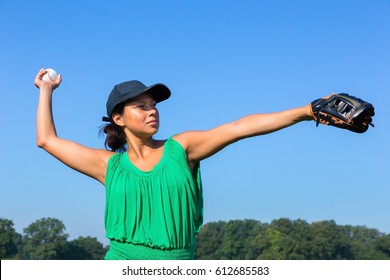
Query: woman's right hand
(40, 83)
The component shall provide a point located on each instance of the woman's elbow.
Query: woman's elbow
(41, 143)
(44, 142)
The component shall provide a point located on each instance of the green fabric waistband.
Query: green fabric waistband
(129, 251)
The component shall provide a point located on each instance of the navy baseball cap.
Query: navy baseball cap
(130, 89)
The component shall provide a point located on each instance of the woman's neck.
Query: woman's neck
(141, 148)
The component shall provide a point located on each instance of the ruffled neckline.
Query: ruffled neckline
(126, 162)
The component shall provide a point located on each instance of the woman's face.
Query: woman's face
(140, 116)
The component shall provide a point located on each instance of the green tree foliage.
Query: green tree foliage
(235, 241)
(85, 248)
(382, 244)
(9, 239)
(330, 242)
(44, 239)
(209, 240)
(227, 240)
(284, 239)
(367, 244)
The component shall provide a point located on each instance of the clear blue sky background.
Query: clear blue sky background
(222, 60)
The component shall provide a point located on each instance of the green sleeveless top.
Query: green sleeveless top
(161, 208)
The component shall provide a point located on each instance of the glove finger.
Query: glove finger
(364, 120)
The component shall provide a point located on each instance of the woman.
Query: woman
(154, 203)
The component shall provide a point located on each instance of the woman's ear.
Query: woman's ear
(117, 118)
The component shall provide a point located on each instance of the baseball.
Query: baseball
(50, 76)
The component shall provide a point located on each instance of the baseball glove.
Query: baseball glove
(343, 111)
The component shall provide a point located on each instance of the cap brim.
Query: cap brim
(160, 92)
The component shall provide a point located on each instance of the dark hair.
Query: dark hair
(116, 138)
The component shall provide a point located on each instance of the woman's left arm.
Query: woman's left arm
(202, 144)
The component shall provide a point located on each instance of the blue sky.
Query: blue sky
(222, 60)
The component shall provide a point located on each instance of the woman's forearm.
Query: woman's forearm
(259, 124)
(45, 124)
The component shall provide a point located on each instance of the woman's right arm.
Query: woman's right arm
(92, 162)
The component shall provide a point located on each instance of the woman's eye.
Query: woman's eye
(145, 106)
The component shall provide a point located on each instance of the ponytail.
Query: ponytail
(115, 139)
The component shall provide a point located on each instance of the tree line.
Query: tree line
(46, 239)
(282, 239)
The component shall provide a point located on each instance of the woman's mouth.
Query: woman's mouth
(152, 122)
